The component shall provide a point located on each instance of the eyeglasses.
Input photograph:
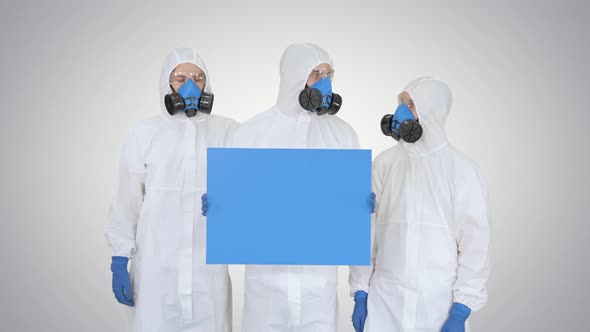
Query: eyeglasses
(180, 77)
(408, 100)
(319, 73)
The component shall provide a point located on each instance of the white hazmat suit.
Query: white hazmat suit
(293, 298)
(155, 217)
(431, 233)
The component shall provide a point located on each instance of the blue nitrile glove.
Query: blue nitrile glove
(359, 314)
(204, 203)
(457, 317)
(373, 202)
(121, 281)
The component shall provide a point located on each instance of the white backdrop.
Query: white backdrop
(76, 76)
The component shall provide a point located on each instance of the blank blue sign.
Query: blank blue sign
(288, 206)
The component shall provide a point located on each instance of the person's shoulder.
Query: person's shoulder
(262, 117)
(389, 156)
(222, 121)
(259, 120)
(463, 161)
(143, 132)
(249, 132)
(347, 136)
(148, 126)
(342, 124)
(465, 169)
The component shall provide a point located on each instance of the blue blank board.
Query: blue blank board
(288, 206)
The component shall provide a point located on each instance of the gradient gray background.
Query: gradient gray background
(75, 77)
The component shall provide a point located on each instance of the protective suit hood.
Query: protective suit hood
(433, 99)
(176, 57)
(297, 62)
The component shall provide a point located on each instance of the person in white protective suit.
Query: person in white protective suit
(295, 298)
(431, 241)
(155, 219)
